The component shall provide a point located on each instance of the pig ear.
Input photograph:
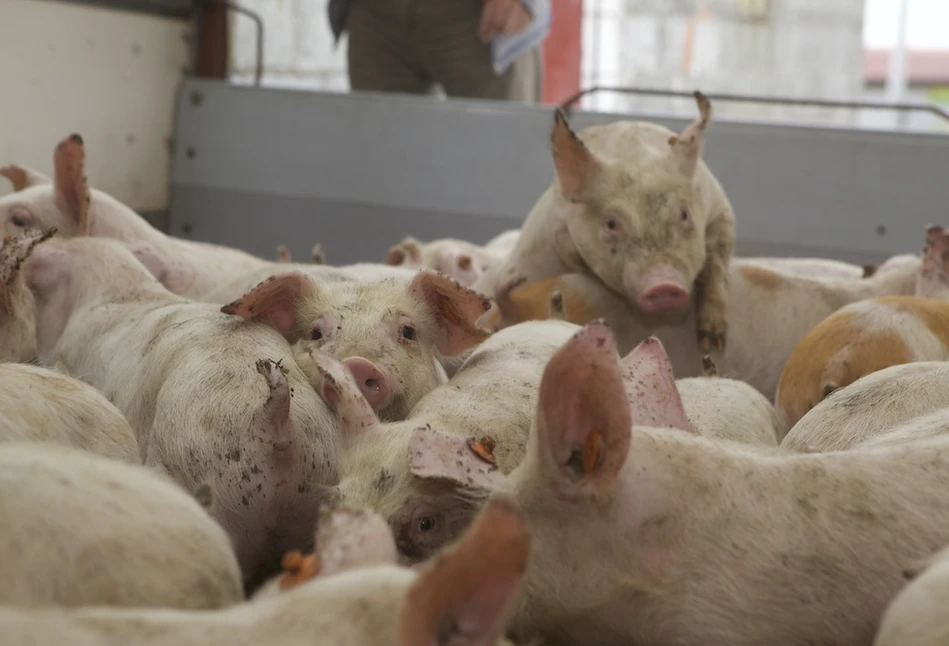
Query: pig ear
(467, 595)
(651, 391)
(339, 389)
(347, 539)
(317, 255)
(468, 462)
(71, 186)
(14, 252)
(408, 252)
(275, 301)
(686, 148)
(283, 254)
(455, 308)
(22, 177)
(576, 165)
(583, 422)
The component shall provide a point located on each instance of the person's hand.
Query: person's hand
(506, 17)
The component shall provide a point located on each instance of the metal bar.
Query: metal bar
(773, 100)
(259, 26)
(170, 8)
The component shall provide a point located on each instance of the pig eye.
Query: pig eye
(612, 224)
(427, 524)
(18, 221)
(316, 334)
(684, 216)
(408, 332)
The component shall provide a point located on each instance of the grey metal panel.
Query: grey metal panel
(258, 167)
(172, 8)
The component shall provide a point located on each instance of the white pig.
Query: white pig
(464, 598)
(918, 616)
(17, 335)
(871, 407)
(390, 334)
(633, 203)
(818, 268)
(40, 405)
(79, 529)
(933, 281)
(489, 403)
(655, 536)
(464, 261)
(769, 313)
(66, 203)
(212, 398)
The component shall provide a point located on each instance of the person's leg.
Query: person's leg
(445, 35)
(379, 51)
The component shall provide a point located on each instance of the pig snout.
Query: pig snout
(662, 290)
(372, 382)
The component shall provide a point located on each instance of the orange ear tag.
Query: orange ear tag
(484, 448)
(591, 451)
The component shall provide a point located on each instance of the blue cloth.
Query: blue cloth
(504, 49)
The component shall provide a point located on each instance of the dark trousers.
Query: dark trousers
(415, 46)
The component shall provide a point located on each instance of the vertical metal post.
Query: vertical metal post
(896, 77)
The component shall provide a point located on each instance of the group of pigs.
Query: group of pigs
(598, 429)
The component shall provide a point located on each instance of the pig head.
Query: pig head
(17, 335)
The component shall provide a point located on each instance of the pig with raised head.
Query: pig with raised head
(390, 334)
(40, 405)
(633, 203)
(80, 529)
(769, 313)
(465, 597)
(933, 280)
(917, 616)
(478, 422)
(872, 407)
(66, 204)
(212, 398)
(652, 535)
(17, 336)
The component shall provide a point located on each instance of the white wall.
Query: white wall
(109, 75)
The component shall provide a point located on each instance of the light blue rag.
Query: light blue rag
(507, 49)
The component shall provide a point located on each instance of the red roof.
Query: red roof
(923, 67)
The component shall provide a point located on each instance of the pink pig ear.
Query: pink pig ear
(651, 391)
(71, 186)
(467, 595)
(275, 301)
(407, 253)
(687, 147)
(347, 539)
(576, 165)
(14, 251)
(338, 387)
(434, 454)
(456, 309)
(583, 423)
(22, 177)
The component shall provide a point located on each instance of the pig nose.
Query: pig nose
(663, 298)
(371, 381)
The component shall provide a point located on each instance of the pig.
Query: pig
(67, 204)
(917, 616)
(465, 598)
(857, 340)
(651, 535)
(17, 336)
(482, 418)
(716, 408)
(212, 398)
(463, 261)
(389, 333)
(769, 312)
(634, 204)
(872, 407)
(80, 529)
(40, 405)
(283, 255)
(317, 256)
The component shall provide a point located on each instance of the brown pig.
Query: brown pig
(656, 536)
(212, 398)
(634, 204)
